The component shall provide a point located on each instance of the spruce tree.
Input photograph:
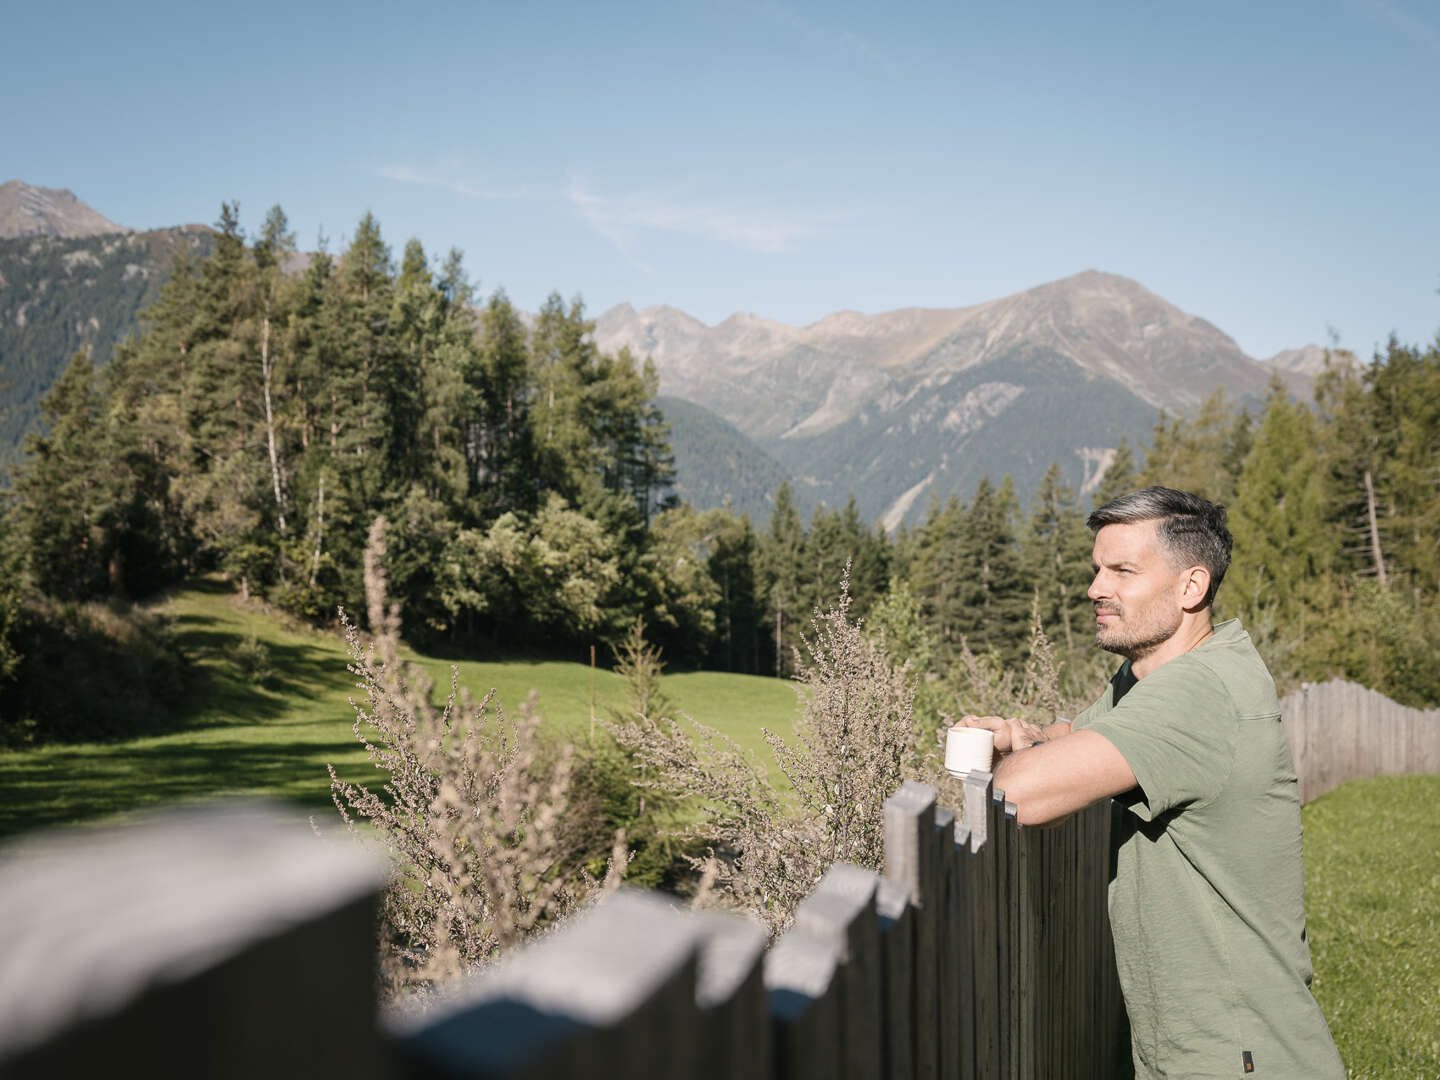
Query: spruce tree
(1285, 548)
(780, 577)
(1056, 556)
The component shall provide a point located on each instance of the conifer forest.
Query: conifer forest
(263, 418)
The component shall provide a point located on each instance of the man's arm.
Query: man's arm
(1052, 779)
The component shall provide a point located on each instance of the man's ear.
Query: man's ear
(1193, 588)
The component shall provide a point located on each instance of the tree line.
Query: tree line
(264, 418)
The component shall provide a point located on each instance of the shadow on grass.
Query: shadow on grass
(297, 669)
(80, 784)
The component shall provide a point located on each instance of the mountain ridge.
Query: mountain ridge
(916, 403)
(26, 210)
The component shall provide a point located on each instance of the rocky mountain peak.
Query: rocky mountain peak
(1308, 360)
(26, 210)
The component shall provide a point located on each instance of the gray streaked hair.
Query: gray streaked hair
(1192, 530)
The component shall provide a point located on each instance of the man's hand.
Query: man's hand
(1010, 733)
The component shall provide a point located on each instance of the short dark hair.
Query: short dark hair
(1191, 529)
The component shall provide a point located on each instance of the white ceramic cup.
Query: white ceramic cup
(968, 749)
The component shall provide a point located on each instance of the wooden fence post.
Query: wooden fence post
(224, 941)
(589, 999)
(910, 855)
(984, 932)
(730, 991)
(801, 978)
(896, 919)
(949, 930)
(842, 910)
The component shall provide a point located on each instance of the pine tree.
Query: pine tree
(1192, 455)
(937, 572)
(994, 597)
(1056, 555)
(781, 574)
(1284, 548)
(740, 610)
(499, 436)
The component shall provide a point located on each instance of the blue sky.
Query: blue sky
(1270, 167)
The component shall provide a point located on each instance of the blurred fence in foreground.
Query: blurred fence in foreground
(235, 944)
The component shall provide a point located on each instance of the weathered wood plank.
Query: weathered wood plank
(910, 858)
(896, 920)
(590, 996)
(984, 932)
(730, 992)
(962, 869)
(805, 1004)
(841, 910)
(222, 941)
(949, 931)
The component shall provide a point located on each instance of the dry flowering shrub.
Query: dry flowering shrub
(475, 814)
(854, 746)
(1039, 692)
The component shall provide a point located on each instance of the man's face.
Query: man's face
(1136, 591)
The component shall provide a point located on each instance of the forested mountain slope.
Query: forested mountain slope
(61, 294)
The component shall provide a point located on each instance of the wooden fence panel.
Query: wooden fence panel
(202, 942)
(1340, 731)
(587, 999)
(896, 920)
(805, 1006)
(910, 856)
(984, 933)
(730, 992)
(231, 946)
(842, 911)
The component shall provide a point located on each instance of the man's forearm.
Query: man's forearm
(1066, 772)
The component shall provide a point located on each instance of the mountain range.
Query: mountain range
(909, 405)
(895, 408)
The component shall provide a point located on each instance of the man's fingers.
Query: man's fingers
(990, 723)
(1023, 734)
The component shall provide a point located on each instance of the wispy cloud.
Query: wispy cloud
(1396, 17)
(620, 219)
(447, 180)
(823, 35)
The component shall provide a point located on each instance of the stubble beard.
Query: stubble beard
(1135, 636)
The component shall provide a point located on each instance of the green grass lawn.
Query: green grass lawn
(239, 738)
(1372, 877)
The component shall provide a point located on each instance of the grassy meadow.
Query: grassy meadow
(237, 737)
(1372, 902)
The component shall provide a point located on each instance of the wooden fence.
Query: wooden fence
(232, 943)
(1340, 731)
(227, 944)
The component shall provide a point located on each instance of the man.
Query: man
(1207, 893)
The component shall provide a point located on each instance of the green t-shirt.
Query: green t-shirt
(1207, 893)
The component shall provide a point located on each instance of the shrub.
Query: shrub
(476, 812)
(251, 657)
(88, 671)
(855, 744)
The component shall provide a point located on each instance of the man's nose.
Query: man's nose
(1096, 590)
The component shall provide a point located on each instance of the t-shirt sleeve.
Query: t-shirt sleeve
(1176, 730)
